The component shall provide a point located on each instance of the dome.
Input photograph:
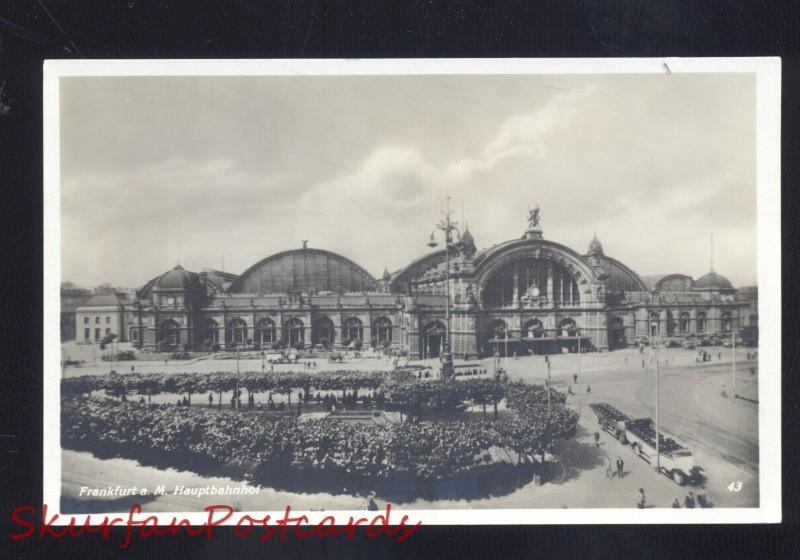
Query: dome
(595, 247)
(177, 279)
(712, 282)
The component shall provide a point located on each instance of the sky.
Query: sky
(203, 171)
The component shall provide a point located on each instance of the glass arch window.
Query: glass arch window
(237, 332)
(514, 281)
(265, 333)
(353, 330)
(382, 330)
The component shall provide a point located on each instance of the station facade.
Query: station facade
(527, 295)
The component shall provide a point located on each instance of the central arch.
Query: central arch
(527, 272)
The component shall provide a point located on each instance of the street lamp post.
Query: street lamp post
(733, 347)
(447, 225)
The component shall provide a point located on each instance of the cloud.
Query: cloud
(638, 159)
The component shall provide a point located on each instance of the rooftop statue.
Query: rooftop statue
(533, 217)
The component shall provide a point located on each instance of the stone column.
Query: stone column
(549, 293)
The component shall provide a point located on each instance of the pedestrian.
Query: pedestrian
(569, 390)
(371, 505)
(641, 501)
(609, 470)
(575, 378)
(620, 466)
(626, 360)
(702, 499)
(642, 364)
(210, 399)
(588, 388)
(688, 501)
(719, 356)
(597, 439)
(133, 368)
(676, 504)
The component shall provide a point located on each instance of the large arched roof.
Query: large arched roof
(307, 270)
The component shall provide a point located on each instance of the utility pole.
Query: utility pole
(658, 437)
(548, 387)
(236, 387)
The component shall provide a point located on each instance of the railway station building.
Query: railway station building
(525, 295)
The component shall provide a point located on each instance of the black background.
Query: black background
(34, 30)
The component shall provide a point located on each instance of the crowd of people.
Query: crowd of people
(207, 438)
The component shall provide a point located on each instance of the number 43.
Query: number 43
(735, 486)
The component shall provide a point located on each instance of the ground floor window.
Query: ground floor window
(97, 335)
(701, 322)
(87, 335)
(684, 322)
(265, 333)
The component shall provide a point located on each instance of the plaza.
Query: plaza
(722, 433)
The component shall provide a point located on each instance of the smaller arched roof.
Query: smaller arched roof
(622, 278)
(674, 283)
(403, 277)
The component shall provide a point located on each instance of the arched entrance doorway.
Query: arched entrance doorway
(294, 333)
(433, 339)
(567, 328)
(237, 332)
(616, 332)
(533, 329)
(324, 332)
(381, 332)
(170, 335)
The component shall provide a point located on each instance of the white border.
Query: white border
(768, 100)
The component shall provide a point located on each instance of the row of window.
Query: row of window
(265, 333)
(86, 320)
(87, 334)
(171, 300)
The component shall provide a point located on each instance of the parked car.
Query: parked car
(689, 345)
